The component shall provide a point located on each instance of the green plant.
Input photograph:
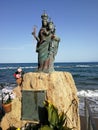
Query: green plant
(46, 127)
(55, 121)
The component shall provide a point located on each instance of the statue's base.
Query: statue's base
(60, 91)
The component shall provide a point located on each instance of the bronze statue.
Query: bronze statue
(47, 45)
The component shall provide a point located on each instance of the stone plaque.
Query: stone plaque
(32, 104)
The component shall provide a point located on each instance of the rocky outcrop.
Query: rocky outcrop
(60, 91)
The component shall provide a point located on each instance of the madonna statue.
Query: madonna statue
(47, 45)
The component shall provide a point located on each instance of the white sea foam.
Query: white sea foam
(92, 97)
(83, 66)
(11, 68)
(88, 93)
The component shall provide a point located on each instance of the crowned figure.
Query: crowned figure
(47, 44)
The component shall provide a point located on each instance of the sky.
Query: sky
(76, 24)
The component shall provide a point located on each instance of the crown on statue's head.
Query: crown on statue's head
(44, 16)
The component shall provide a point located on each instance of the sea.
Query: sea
(85, 75)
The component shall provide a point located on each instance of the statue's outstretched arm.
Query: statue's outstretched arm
(34, 34)
(37, 38)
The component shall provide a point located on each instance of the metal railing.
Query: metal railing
(90, 123)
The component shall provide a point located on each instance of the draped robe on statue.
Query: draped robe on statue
(46, 54)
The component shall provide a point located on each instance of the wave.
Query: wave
(56, 65)
(94, 78)
(92, 96)
(10, 68)
(83, 66)
(76, 66)
(88, 93)
(86, 65)
(30, 67)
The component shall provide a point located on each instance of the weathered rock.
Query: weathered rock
(60, 91)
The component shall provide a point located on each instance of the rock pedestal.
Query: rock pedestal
(60, 91)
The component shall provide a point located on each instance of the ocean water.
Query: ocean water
(85, 75)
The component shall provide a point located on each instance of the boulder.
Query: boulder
(61, 91)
